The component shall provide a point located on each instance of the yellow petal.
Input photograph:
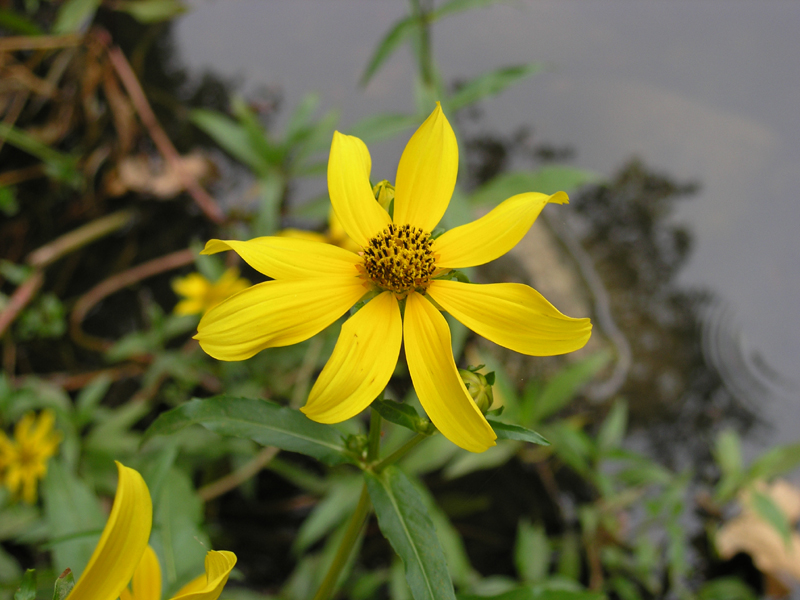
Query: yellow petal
(494, 234)
(275, 313)
(512, 315)
(193, 285)
(361, 364)
(426, 175)
(146, 583)
(439, 387)
(122, 543)
(351, 193)
(290, 258)
(209, 587)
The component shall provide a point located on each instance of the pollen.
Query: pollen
(400, 259)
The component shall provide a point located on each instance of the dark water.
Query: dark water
(704, 91)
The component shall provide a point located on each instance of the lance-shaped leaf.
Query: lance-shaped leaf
(507, 431)
(391, 41)
(405, 523)
(27, 589)
(404, 415)
(263, 422)
(489, 84)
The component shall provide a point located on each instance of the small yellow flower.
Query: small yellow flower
(405, 273)
(23, 461)
(123, 554)
(200, 294)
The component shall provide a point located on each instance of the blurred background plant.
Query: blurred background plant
(107, 149)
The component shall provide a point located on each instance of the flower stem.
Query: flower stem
(357, 521)
(400, 452)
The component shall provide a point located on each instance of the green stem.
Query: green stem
(357, 521)
(374, 440)
(400, 452)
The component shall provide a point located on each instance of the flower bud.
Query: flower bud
(384, 193)
(479, 388)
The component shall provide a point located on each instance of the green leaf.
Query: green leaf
(62, 167)
(612, 431)
(73, 14)
(384, 125)
(572, 445)
(562, 388)
(404, 415)
(405, 523)
(546, 180)
(16, 23)
(489, 84)
(774, 462)
(768, 510)
(258, 136)
(726, 588)
(456, 6)
(27, 588)
(507, 431)
(74, 519)
(151, 11)
(469, 462)
(263, 422)
(230, 136)
(390, 42)
(64, 584)
(532, 552)
(728, 452)
(332, 510)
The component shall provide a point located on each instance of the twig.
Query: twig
(115, 283)
(78, 381)
(123, 68)
(79, 237)
(39, 42)
(20, 299)
(239, 476)
(20, 175)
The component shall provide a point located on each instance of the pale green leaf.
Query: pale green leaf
(27, 588)
(612, 431)
(390, 42)
(768, 510)
(405, 523)
(508, 431)
(489, 84)
(263, 422)
(532, 552)
(73, 14)
(151, 11)
(230, 136)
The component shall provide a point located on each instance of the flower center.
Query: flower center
(400, 258)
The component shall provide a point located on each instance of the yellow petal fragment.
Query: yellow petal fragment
(426, 175)
(349, 166)
(512, 315)
(436, 380)
(494, 234)
(275, 313)
(122, 543)
(290, 258)
(146, 583)
(361, 364)
(193, 285)
(209, 586)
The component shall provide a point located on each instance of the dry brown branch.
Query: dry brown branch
(39, 42)
(124, 71)
(20, 299)
(239, 476)
(115, 283)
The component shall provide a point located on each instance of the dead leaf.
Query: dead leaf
(155, 177)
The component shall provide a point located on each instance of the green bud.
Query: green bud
(357, 444)
(479, 388)
(384, 193)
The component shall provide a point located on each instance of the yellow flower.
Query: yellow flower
(23, 461)
(399, 265)
(200, 294)
(122, 553)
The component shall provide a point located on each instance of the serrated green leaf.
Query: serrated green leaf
(390, 42)
(546, 180)
(405, 523)
(768, 510)
(489, 84)
(263, 422)
(27, 588)
(230, 136)
(508, 431)
(73, 14)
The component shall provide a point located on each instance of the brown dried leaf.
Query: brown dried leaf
(154, 177)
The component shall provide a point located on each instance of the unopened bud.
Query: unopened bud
(479, 388)
(384, 193)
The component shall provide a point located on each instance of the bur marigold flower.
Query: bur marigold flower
(122, 554)
(403, 273)
(23, 460)
(199, 294)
